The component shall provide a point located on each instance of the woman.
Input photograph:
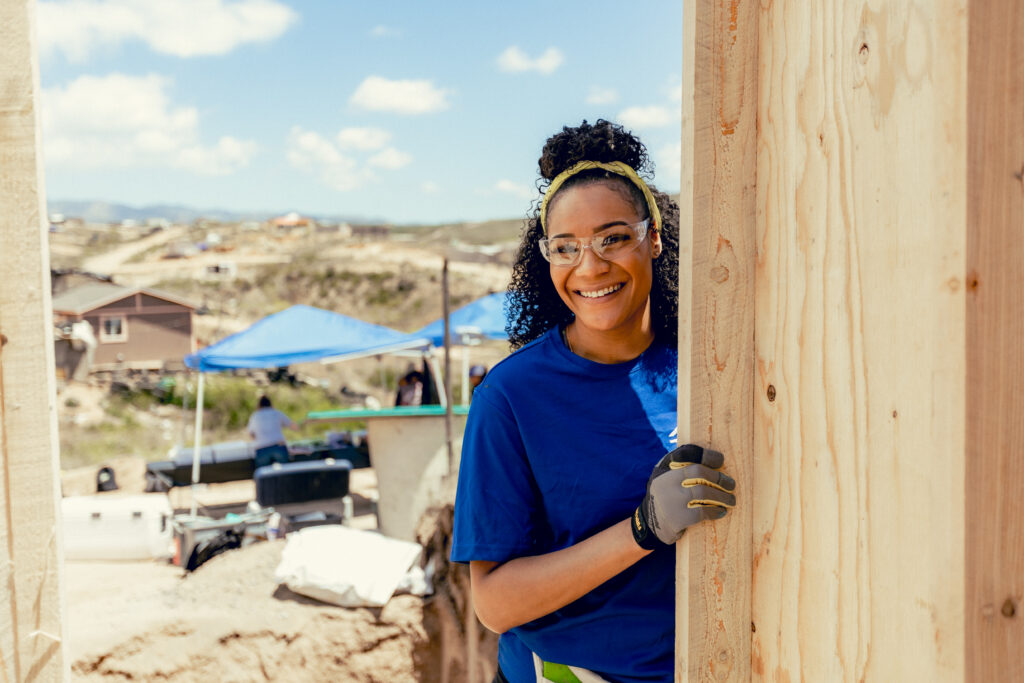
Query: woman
(567, 530)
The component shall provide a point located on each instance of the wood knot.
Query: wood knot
(771, 392)
(3, 340)
(1009, 609)
(863, 53)
(719, 274)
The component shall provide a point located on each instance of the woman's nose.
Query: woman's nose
(591, 262)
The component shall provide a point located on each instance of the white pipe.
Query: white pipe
(198, 443)
(435, 370)
(465, 374)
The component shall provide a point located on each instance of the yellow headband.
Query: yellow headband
(616, 167)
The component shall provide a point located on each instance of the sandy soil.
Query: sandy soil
(229, 620)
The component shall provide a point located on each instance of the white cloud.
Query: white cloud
(390, 158)
(514, 189)
(402, 97)
(383, 31)
(654, 116)
(514, 60)
(324, 157)
(602, 95)
(309, 151)
(362, 138)
(430, 187)
(183, 28)
(128, 121)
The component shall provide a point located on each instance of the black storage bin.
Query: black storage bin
(300, 482)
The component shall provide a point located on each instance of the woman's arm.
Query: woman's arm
(684, 489)
(528, 588)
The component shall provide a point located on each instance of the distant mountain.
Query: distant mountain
(107, 212)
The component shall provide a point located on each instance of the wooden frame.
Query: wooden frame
(876, 439)
(994, 473)
(716, 360)
(31, 625)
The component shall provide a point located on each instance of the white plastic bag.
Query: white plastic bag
(343, 566)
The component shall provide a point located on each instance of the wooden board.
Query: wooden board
(994, 475)
(860, 313)
(717, 216)
(31, 633)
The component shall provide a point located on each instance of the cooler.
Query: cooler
(117, 527)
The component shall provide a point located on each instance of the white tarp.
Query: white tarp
(343, 566)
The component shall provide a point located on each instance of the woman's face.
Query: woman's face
(606, 296)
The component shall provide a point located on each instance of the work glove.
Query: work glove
(684, 488)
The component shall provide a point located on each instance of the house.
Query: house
(135, 328)
(291, 221)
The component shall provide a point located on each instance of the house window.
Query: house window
(113, 329)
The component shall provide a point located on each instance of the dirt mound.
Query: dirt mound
(230, 621)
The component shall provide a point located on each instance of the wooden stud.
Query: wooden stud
(31, 627)
(717, 235)
(994, 472)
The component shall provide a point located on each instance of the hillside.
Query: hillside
(236, 273)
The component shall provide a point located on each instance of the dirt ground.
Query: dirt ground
(230, 621)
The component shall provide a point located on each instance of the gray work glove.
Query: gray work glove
(684, 488)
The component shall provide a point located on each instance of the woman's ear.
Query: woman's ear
(655, 243)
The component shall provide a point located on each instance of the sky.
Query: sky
(406, 111)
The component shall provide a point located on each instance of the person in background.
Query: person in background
(410, 389)
(476, 377)
(572, 488)
(266, 426)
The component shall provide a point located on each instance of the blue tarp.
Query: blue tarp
(483, 318)
(300, 334)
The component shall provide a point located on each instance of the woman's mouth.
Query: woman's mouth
(598, 293)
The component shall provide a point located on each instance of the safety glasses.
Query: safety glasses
(609, 244)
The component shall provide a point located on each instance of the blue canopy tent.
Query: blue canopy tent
(484, 318)
(299, 334)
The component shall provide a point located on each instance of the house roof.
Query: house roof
(93, 295)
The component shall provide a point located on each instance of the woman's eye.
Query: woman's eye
(612, 240)
(564, 248)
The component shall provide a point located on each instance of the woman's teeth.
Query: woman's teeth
(600, 292)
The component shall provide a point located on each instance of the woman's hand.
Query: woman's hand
(684, 488)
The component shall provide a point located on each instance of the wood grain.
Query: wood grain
(717, 209)
(994, 474)
(859, 327)
(31, 632)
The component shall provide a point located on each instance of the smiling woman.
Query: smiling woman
(567, 528)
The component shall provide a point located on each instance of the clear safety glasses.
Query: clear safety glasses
(609, 244)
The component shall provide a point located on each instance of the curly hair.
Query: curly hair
(534, 306)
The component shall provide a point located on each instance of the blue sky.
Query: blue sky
(407, 111)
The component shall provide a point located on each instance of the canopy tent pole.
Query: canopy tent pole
(447, 366)
(198, 443)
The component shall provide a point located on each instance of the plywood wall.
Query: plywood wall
(859, 329)
(31, 633)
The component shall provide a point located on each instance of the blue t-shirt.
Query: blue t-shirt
(556, 449)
